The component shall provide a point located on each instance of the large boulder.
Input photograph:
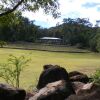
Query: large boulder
(8, 92)
(88, 91)
(77, 76)
(52, 73)
(58, 90)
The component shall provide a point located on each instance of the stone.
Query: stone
(77, 76)
(49, 66)
(52, 74)
(77, 86)
(89, 91)
(58, 90)
(8, 92)
(29, 95)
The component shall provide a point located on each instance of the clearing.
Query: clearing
(86, 62)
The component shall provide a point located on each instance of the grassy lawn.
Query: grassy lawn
(84, 62)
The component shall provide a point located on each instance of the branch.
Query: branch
(11, 10)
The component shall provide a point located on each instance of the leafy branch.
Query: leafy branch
(11, 71)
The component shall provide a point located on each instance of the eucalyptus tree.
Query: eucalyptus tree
(49, 6)
(8, 25)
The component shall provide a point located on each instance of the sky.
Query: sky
(68, 9)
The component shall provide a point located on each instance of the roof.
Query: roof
(50, 38)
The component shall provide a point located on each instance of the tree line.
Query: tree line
(14, 27)
(75, 32)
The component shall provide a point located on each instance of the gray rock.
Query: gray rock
(58, 90)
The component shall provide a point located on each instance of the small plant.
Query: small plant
(96, 77)
(11, 70)
(2, 43)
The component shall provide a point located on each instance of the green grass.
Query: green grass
(84, 62)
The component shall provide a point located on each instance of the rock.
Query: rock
(89, 91)
(52, 73)
(77, 76)
(74, 73)
(58, 90)
(77, 86)
(29, 95)
(88, 88)
(10, 93)
(91, 96)
(49, 66)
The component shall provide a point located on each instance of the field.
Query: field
(84, 61)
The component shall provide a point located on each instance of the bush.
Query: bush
(98, 45)
(2, 43)
(11, 70)
(96, 77)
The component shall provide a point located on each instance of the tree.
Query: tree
(15, 27)
(97, 40)
(2, 43)
(9, 6)
(98, 44)
(7, 24)
(77, 31)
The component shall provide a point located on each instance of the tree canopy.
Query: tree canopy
(49, 6)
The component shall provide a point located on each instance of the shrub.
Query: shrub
(2, 43)
(11, 70)
(96, 77)
(98, 45)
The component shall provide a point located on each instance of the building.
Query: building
(50, 40)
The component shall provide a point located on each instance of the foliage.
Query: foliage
(95, 40)
(96, 77)
(2, 43)
(9, 6)
(11, 70)
(76, 32)
(98, 45)
(14, 27)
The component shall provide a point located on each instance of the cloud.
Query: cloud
(90, 4)
(68, 8)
